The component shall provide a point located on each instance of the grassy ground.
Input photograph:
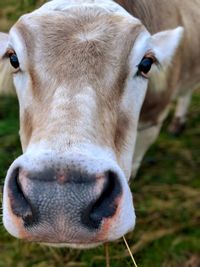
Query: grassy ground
(166, 195)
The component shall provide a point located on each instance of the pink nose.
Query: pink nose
(73, 201)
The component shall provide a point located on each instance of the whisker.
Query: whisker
(107, 255)
(129, 251)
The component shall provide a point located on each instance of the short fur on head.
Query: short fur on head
(80, 94)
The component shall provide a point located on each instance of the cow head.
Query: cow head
(80, 70)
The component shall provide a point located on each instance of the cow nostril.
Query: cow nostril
(106, 204)
(19, 203)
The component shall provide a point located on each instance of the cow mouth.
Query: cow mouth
(79, 245)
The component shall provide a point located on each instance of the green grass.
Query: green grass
(166, 196)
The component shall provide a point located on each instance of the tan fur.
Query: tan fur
(27, 127)
(91, 49)
(80, 95)
(75, 63)
(6, 84)
(60, 50)
(184, 73)
(123, 125)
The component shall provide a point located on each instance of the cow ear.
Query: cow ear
(3, 43)
(6, 83)
(164, 44)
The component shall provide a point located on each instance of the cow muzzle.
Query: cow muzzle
(66, 204)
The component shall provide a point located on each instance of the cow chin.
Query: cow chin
(74, 201)
(71, 245)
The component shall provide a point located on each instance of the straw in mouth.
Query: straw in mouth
(131, 254)
(107, 253)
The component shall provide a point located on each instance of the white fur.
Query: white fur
(136, 89)
(7, 219)
(107, 5)
(133, 97)
(16, 42)
(87, 156)
(146, 136)
(182, 106)
(164, 44)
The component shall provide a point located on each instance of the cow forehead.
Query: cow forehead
(89, 7)
(81, 40)
(78, 22)
(109, 6)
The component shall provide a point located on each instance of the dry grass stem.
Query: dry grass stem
(107, 255)
(129, 251)
(150, 237)
(76, 264)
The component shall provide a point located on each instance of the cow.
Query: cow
(94, 80)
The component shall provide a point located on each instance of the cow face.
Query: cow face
(80, 72)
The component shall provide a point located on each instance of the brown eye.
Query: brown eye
(14, 60)
(145, 66)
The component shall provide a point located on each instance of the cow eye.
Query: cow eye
(145, 66)
(14, 60)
